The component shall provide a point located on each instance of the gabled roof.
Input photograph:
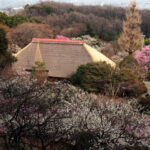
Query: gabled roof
(62, 57)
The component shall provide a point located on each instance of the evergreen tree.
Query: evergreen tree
(6, 57)
(131, 37)
(3, 41)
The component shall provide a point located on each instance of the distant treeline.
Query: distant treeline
(70, 20)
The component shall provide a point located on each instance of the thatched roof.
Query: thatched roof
(62, 57)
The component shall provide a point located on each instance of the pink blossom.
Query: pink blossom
(143, 58)
(61, 37)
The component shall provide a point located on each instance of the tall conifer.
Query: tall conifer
(131, 38)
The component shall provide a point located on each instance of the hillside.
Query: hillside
(71, 20)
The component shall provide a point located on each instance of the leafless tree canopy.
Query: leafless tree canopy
(105, 21)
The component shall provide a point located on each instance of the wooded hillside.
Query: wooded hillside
(71, 20)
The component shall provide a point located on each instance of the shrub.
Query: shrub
(147, 41)
(101, 78)
(129, 62)
(130, 84)
(39, 72)
(133, 88)
(93, 77)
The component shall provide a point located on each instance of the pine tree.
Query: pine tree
(131, 37)
(6, 57)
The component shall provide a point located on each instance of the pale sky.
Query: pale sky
(19, 3)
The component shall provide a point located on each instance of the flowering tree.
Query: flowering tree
(143, 58)
(61, 37)
(60, 114)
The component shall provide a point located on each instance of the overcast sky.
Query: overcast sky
(20, 3)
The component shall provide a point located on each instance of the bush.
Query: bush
(93, 77)
(101, 78)
(129, 62)
(131, 84)
(133, 88)
(39, 72)
(147, 41)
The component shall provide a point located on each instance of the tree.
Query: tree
(17, 19)
(130, 39)
(27, 31)
(39, 72)
(95, 77)
(3, 41)
(36, 117)
(3, 18)
(6, 57)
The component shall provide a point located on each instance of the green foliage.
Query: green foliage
(3, 18)
(3, 41)
(92, 77)
(147, 41)
(130, 84)
(47, 9)
(39, 72)
(90, 31)
(129, 62)
(17, 19)
(35, 20)
(6, 57)
(70, 10)
(128, 74)
(101, 78)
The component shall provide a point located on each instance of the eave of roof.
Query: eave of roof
(56, 40)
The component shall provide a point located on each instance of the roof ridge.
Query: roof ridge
(57, 40)
(38, 56)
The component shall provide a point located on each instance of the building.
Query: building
(62, 57)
